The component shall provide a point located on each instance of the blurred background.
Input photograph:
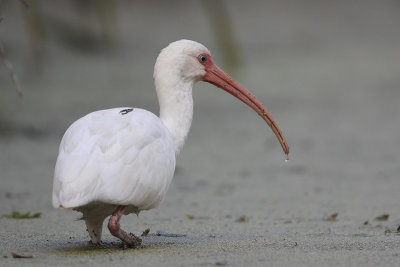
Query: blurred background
(329, 72)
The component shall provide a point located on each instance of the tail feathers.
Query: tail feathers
(95, 228)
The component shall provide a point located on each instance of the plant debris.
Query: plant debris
(162, 233)
(383, 217)
(146, 232)
(242, 219)
(19, 215)
(191, 217)
(19, 256)
(395, 231)
(332, 217)
(366, 223)
(388, 231)
(221, 263)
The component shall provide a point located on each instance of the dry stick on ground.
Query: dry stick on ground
(19, 256)
(11, 71)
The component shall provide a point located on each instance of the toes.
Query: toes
(136, 241)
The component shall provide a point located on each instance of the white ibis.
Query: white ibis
(122, 160)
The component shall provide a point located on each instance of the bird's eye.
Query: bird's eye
(202, 59)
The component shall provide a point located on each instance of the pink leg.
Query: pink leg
(115, 229)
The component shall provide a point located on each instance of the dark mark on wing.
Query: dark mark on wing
(126, 111)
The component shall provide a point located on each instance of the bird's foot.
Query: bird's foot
(131, 242)
(95, 244)
(136, 240)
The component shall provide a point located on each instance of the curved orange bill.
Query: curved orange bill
(219, 78)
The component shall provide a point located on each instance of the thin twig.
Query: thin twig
(25, 4)
(19, 256)
(10, 69)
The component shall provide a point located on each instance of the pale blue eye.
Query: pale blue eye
(203, 59)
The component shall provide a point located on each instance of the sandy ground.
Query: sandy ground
(328, 72)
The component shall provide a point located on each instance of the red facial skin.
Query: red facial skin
(219, 78)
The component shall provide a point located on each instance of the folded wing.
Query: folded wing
(116, 157)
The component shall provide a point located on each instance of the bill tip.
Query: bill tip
(287, 158)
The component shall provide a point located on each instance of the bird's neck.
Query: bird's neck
(176, 107)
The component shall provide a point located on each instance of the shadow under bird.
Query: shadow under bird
(122, 160)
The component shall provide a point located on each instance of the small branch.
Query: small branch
(25, 4)
(10, 69)
(19, 256)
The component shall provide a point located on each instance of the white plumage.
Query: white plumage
(108, 157)
(122, 160)
(107, 152)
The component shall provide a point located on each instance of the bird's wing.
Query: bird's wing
(118, 156)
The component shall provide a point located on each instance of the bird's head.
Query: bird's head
(189, 61)
(183, 58)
